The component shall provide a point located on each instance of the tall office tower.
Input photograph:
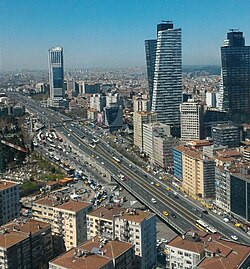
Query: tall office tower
(167, 86)
(235, 77)
(56, 76)
(191, 120)
(150, 49)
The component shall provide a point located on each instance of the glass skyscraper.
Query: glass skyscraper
(167, 73)
(235, 77)
(150, 49)
(56, 76)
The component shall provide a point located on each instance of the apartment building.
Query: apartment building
(233, 189)
(200, 250)
(9, 201)
(139, 118)
(177, 161)
(25, 244)
(67, 219)
(97, 253)
(163, 150)
(130, 225)
(198, 174)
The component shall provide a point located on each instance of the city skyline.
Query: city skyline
(112, 33)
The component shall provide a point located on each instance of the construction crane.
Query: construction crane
(13, 146)
(2, 161)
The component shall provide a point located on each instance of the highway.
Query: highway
(138, 182)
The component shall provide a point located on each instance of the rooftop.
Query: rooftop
(229, 255)
(6, 184)
(223, 253)
(93, 254)
(74, 206)
(229, 153)
(128, 214)
(17, 231)
(48, 201)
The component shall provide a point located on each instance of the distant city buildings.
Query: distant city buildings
(56, 77)
(167, 69)
(235, 77)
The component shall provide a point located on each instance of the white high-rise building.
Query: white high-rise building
(167, 86)
(191, 120)
(212, 99)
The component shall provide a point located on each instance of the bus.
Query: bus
(95, 140)
(202, 225)
(116, 159)
(49, 139)
(92, 145)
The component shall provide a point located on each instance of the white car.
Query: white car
(226, 219)
(234, 237)
(153, 200)
(152, 183)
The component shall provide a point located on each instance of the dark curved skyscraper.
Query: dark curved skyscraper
(150, 49)
(235, 77)
(56, 76)
(164, 67)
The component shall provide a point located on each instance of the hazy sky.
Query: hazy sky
(111, 33)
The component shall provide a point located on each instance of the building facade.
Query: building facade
(198, 173)
(150, 49)
(56, 76)
(113, 117)
(97, 253)
(167, 87)
(97, 101)
(226, 135)
(191, 120)
(129, 225)
(150, 130)
(235, 77)
(9, 201)
(140, 118)
(68, 220)
(163, 151)
(141, 103)
(25, 244)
